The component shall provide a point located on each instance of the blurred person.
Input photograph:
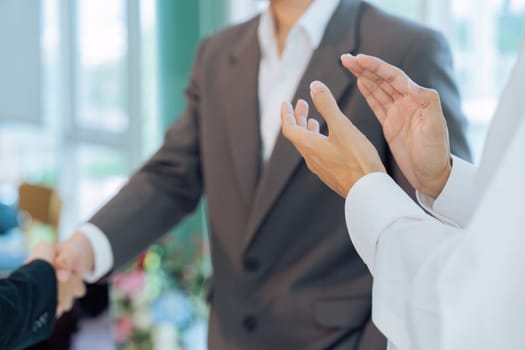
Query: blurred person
(31, 300)
(9, 218)
(452, 281)
(283, 276)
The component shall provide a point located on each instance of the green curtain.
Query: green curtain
(181, 25)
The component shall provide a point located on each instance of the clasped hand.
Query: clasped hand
(412, 121)
(69, 288)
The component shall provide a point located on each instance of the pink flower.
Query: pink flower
(131, 283)
(124, 329)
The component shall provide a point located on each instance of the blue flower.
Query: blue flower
(173, 307)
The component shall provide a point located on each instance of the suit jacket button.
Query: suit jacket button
(250, 323)
(251, 264)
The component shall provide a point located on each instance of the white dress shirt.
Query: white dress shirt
(455, 283)
(278, 77)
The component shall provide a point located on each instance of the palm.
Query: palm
(417, 138)
(412, 120)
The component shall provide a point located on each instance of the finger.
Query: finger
(301, 112)
(349, 61)
(59, 312)
(326, 104)
(313, 126)
(63, 275)
(66, 305)
(79, 288)
(289, 124)
(287, 114)
(44, 251)
(425, 97)
(63, 264)
(374, 104)
(68, 258)
(390, 75)
(385, 98)
(384, 85)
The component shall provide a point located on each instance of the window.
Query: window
(485, 38)
(98, 118)
(102, 48)
(20, 93)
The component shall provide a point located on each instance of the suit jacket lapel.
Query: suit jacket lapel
(325, 65)
(242, 116)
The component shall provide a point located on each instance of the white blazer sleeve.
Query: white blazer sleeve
(452, 206)
(437, 287)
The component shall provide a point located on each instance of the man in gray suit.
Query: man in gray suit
(284, 276)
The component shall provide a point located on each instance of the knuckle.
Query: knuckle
(434, 95)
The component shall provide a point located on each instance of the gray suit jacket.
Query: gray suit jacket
(285, 273)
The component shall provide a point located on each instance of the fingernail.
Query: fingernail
(286, 108)
(316, 87)
(345, 55)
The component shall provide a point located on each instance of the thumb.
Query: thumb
(64, 264)
(326, 104)
(43, 250)
(423, 96)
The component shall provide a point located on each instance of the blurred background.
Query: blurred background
(87, 88)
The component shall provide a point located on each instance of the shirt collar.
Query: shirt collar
(316, 18)
(314, 22)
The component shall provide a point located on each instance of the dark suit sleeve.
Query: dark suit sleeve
(163, 191)
(28, 303)
(429, 63)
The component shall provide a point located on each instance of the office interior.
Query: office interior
(88, 88)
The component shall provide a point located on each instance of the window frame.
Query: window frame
(129, 141)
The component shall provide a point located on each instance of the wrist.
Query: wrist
(353, 179)
(42, 251)
(435, 187)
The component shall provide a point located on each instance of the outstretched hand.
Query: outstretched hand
(412, 121)
(339, 159)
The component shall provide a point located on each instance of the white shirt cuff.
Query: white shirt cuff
(451, 206)
(373, 204)
(103, 255)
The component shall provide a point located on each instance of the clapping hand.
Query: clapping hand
(412, 121)
(339, 159)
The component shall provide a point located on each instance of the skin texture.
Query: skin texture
(412, 121)
(68, 290)
(339, 159)
(75, 257)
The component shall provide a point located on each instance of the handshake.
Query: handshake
(72, 259)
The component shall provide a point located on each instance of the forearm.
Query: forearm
(28, 303)
(398, 242)
(139, 215)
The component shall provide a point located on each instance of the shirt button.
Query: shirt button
(251, 264)
(250, 323)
